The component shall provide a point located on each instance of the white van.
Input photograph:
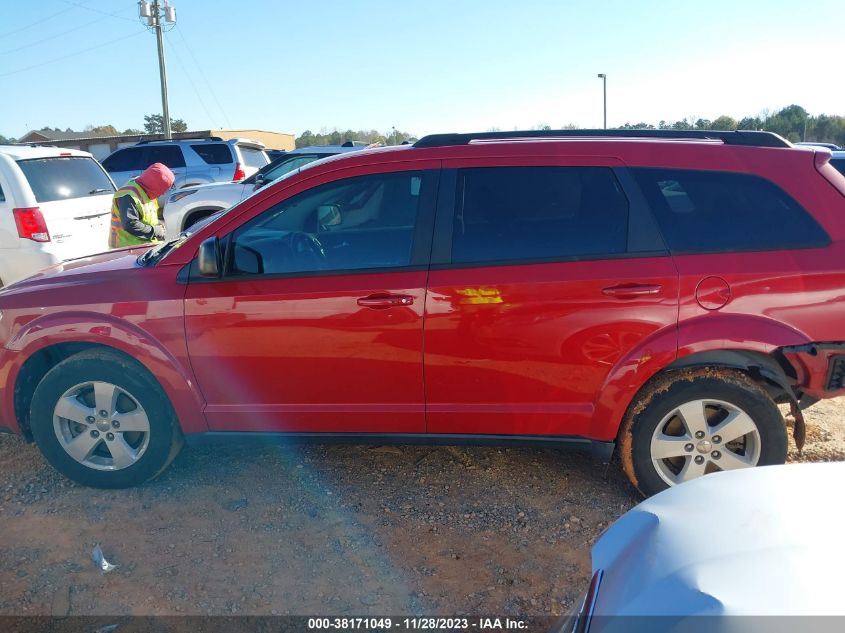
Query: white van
(55, 204)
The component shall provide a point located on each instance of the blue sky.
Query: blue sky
(421, 66)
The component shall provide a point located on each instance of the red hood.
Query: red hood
(76, 270)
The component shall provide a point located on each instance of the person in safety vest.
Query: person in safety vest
(134, 209)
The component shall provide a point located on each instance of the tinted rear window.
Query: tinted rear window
(839, 164)
(253, 157)
(712, 212)
(62, 178)
(214, 153)
(510, 214)
(170, 155)
(129, 159)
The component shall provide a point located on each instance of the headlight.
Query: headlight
(181, 194)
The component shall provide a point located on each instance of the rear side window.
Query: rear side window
(130, 159)
(839, 164)
(2, 195)
(511, 214)
(170, 155)
(712, 212)
(62, 178)
(253, 157)
(214, 153)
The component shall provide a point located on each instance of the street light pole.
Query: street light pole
(154, 14)
(603, 78)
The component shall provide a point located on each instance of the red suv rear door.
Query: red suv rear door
(316, 325)
(549, 282)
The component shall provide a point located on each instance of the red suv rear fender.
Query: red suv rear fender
(98, 329)
(694, 342)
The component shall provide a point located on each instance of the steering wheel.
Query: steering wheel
(306, 247)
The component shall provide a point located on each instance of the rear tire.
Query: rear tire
(102, 420)
(688, 424)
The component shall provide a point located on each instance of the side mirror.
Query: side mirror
(259, 182)
(208, 259)
(329, 215)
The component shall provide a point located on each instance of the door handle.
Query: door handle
(627, 291)
(382, 301)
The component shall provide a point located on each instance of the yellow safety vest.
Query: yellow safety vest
(118, 237)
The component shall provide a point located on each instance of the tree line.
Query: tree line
(792, 122)
(153, 124)
(338, 137)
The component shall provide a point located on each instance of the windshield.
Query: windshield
(65, 177)
(282, 166)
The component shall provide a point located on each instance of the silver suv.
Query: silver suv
(193, 161)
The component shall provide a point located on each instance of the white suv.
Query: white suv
(55, 204)
(192, 161)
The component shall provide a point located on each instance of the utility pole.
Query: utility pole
(603, 78)
(154, 13)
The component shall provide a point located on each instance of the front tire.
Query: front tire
(102, 420)
(691, 423)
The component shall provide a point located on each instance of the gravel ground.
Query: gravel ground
(322, 530)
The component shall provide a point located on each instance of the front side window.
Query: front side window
(130, 159)
(357, 223)
(170, 155)
(62, 178)
(513, 214)
(711, 212)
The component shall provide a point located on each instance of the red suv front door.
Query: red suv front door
(316, 324)
(547, 280)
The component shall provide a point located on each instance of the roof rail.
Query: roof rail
(172, 140)
(737, 137)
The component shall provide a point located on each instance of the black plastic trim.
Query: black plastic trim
(602, 450)
(736, 137)
(441, 250)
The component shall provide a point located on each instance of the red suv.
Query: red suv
(659, 292)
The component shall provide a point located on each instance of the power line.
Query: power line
(87, 8)
(68, 55)
(191, 81)
(36, 23)
(52, 37)
(202, 74)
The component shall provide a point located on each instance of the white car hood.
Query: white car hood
(760, 542)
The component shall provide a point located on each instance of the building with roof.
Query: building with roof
(101, 145)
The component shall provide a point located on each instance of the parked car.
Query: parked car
(188, 206)
(739, 551)
(838, 161)
(830, 146)
(54, 205)
(573, 288)
(274, 154)
(193, 161)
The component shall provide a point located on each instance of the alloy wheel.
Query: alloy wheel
(703, 436)
(101, 426)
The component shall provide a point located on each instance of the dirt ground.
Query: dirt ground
(322, 530)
